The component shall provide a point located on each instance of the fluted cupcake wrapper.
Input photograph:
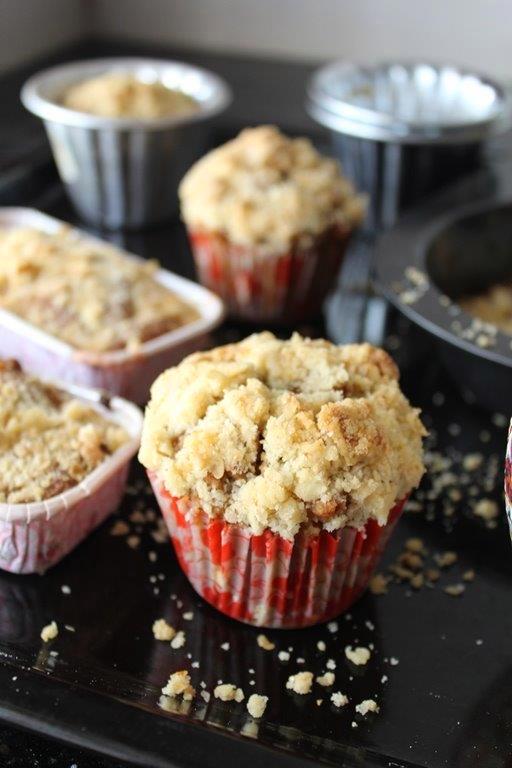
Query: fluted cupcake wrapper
(266, 580)
(280, 287)
(508, 478)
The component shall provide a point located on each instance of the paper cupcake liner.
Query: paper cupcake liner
(280, 287)
(33, 546)
(266, 580)
(508, 478)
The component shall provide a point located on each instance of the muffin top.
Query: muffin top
(266, 189)
(49, 441)
(89, 295)
(283, 435)
(117, 95)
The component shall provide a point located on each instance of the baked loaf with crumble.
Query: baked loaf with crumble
(49, 441)
(267, 190)
(283, 435)
(89, 295)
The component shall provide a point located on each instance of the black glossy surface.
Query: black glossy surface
(447, 703)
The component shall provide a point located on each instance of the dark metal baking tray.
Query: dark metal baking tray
(448, 702)
(462, 241)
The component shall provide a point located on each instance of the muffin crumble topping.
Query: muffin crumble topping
(266, 189)
(120, 94)
(284, 434)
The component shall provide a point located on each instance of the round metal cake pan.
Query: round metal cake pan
(405, 129)
(458, 244)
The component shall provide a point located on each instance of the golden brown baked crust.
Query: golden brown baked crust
(90, 296)
(116, 94)
(265, 189)
(48, 441)
(282, 434)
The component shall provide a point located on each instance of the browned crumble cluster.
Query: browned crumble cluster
(276, 435)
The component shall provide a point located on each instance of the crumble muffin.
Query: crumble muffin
(285, 435)
(267, 189)
(49, 441)
(89, 295)
(269, 220)
(118, 95)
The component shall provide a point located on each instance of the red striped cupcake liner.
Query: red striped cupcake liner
(280, 287)
(266, 580)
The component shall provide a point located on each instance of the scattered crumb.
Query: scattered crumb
(332, 626)
(468, 575)
(339, 699)
(455, 590)
(265, 643)
(432, 574)
(321, 646)
(384, 679)
(283, 656)
(178, 641)
(163, 631)
(445, 559)
(486, 509)
(179, 685)
(479, 642)
(49, 632)
(256, 705)
(188, 616)
(353, 724)
(472, 461)
(120, 528)
(378, 584)
(133, 541)
(330, 664)
(357, 656)
(152, 556)
(394, 661)
(367, 705)
(326, 679)
(205, 695)
(499, 420)
(228, 692)
(417, 581)
(225, 646)
(65, 589)
(69, 628)
(300, 683)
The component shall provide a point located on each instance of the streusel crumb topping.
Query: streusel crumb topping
(49, 441)
(282, 434)
(89, 295)
(119, 94)
(266, 189)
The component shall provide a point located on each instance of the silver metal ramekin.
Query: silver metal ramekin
(402, 130)
(124, 172)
